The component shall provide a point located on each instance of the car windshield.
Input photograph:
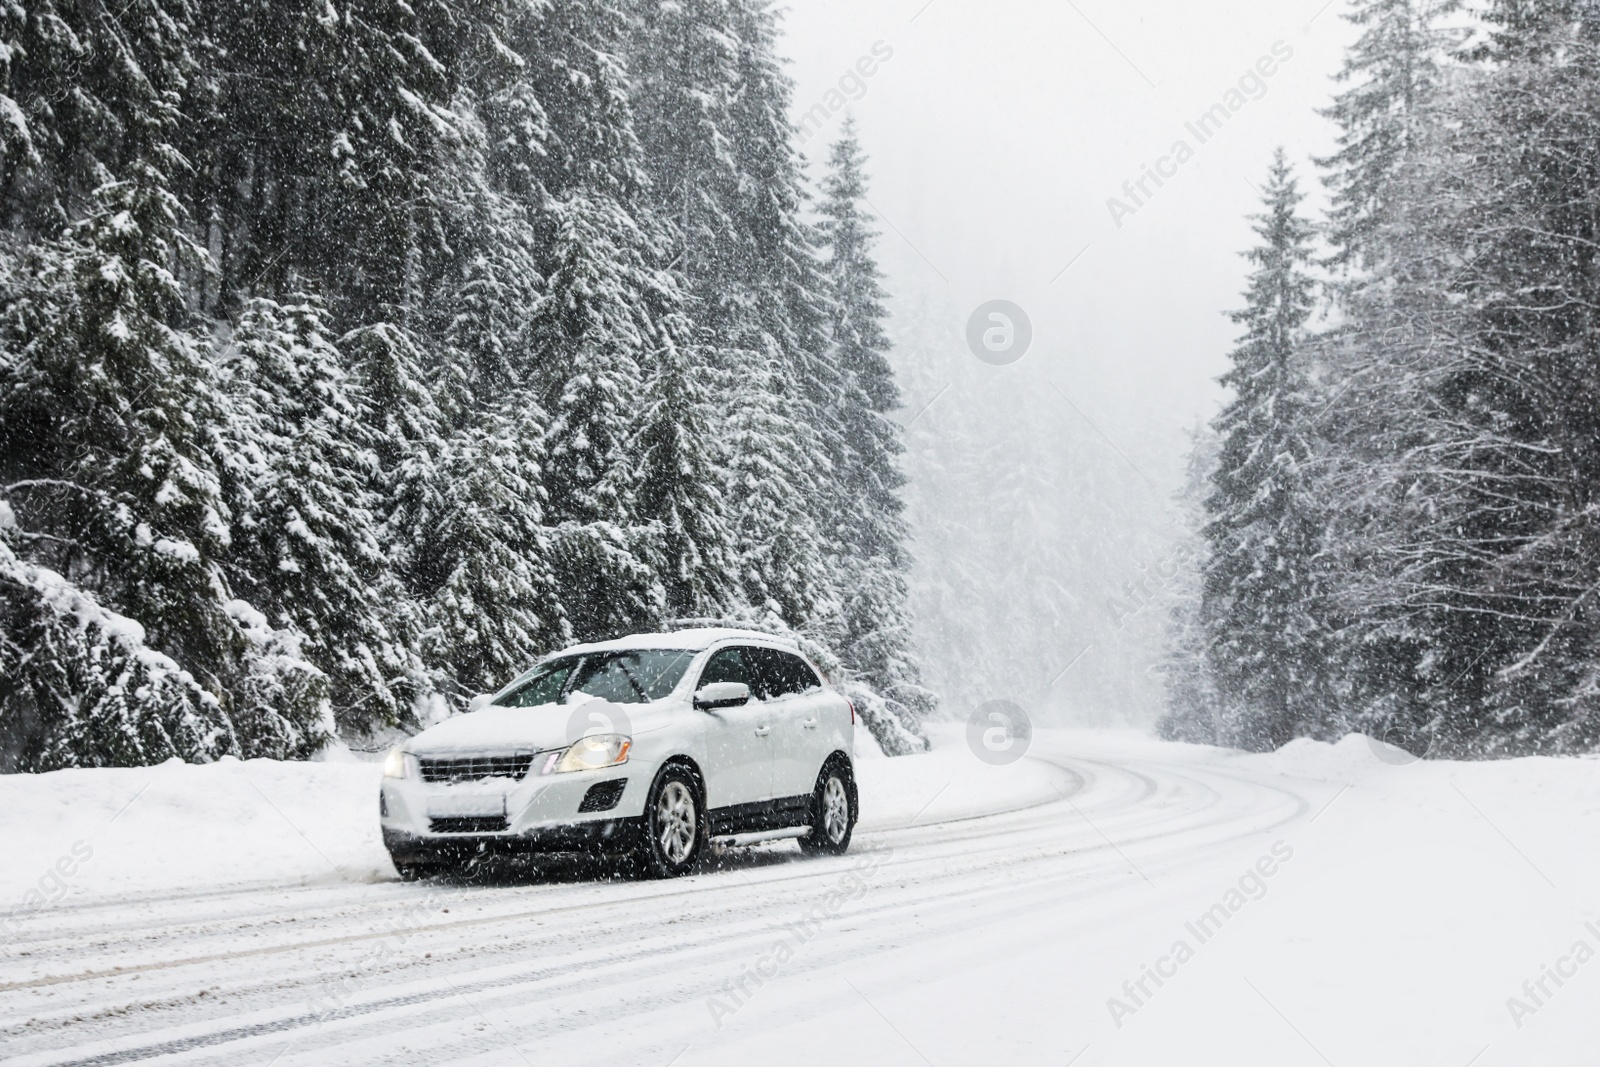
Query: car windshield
(631, 677)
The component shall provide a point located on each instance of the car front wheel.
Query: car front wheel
(675, 825)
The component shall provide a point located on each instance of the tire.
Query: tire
(834, 810)
(676, 833)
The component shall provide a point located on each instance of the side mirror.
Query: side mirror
(722, 695)
(480, 701)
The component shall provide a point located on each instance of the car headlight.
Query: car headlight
(590, 754)
(395, 764)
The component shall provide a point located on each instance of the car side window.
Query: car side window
(783, 673)
(771, 676)
(730, 665)
(802, 677)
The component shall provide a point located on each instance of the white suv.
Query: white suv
(644, 747)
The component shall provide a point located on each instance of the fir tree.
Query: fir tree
(328, 126)
(1193, 712)
(1396, 72)
(680, 490)
(868, 528)
(1476, 536)
(604, 311)
(298, 469)
(782, 341)
(79, 685)
(587, 339)
(105, 408)
(781, 552)
(1537, 28)
(497, 607)
(1259, 592)
(1392, 70)
(682, 59)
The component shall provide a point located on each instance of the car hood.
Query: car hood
(538, 729)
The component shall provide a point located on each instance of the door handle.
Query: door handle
(809, 724)
(763, 731)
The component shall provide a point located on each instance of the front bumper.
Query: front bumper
(604, 837)
(583, 811)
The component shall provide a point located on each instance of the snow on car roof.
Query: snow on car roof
(693, 640)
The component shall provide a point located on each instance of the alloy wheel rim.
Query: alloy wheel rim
(675, 822)
(835, 810)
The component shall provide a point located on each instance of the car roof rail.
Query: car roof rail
(735, 629)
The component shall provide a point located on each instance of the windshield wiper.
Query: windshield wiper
(644, 698)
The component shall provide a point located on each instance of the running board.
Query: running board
(735, 840)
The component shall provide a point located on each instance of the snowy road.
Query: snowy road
(939, 940)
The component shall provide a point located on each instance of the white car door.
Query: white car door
(799, 705)
(739, 741)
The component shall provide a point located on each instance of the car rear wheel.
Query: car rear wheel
(833, 811)
(675, 827)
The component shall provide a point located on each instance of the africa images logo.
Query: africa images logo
(999, 732)
(999, 333)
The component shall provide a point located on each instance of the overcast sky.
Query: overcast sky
(999, 129)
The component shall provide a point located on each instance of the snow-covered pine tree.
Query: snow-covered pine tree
(586, 340)
(374, 236)
(868, 531)
(687, 64)
(95, 90)
(732, 189)
(680, 489)
(603, 311)
(791, 295)
(1264, 639)
(1192, 708)
(479, 284)
(1522, 29)
(408, 422)
(79, 685)
(465, 523)
(498, 606)
(632, 491)
(1394, 73)
(681, 56)
(105, 402)
(19, 154)
(1487, 553)
(1392, 70)
(316, 155)
(781, 554)
(297, 466)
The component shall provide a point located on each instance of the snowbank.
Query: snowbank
(81, 834)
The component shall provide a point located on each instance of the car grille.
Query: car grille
(472, 768)
(473, 824)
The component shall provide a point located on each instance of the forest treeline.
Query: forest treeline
(354, 353)
(1399, 508)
